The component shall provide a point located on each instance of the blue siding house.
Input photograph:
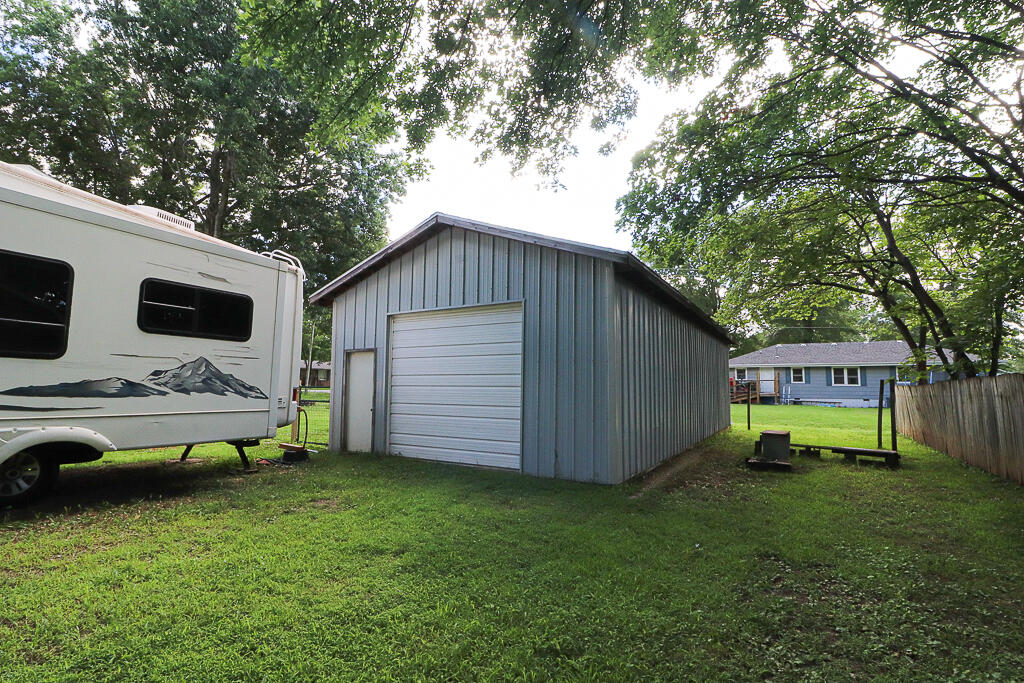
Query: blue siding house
(832, 373)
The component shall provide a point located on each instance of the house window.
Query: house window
(186, 311)
(741, 374)
(35, 306)
(846, 377)
(797, 375)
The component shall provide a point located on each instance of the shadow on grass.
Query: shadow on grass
(115, 484)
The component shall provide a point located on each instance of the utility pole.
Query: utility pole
(309, 363)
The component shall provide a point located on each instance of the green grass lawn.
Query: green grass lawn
(368, 567)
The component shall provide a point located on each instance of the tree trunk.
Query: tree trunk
(916, 350)
(888, 303)
(214, 178)
(997, 335)
(220, 176)
(922, 362)
(917, 288)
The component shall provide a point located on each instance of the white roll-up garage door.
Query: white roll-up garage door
(456, 385)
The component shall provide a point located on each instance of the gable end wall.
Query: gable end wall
(567, 318)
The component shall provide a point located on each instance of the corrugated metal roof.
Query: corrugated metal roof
(827, 353)
(624, 261)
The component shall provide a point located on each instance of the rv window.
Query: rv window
(184, 310)
(35, 305)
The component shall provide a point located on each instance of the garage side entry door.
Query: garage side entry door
(456, 385)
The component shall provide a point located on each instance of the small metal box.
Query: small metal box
(775, 445)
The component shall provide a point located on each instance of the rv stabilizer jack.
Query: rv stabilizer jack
(240, 446)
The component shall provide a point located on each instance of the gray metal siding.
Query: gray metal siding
(672, 376)
(566, 330)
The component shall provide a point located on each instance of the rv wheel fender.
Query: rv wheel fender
(16, 440)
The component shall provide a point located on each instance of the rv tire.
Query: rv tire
(26, 477)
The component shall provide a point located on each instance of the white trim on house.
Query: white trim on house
(846, 375)
(792, 376)
(738, 371)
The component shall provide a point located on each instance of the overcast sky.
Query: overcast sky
(583, 211)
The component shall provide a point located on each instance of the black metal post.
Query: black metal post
(748, 406)
(892, 411)
(881, 401)
(184, 456)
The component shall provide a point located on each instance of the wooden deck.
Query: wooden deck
(750, 389)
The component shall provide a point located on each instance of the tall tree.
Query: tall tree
(910, 109)
(770, 178)
(517, 75)
(157, 107)
(536, 68)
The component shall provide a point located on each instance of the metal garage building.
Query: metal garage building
(471, 343)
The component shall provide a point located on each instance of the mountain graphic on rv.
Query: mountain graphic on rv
(195, 377)
(202, 377)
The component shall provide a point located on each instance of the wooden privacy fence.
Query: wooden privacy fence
(979, 421)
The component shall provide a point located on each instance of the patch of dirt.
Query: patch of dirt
(701, 466)
(14, 575)
(19, 623)
(670, 471)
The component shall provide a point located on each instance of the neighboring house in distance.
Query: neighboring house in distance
(830, 373)
(319, 377)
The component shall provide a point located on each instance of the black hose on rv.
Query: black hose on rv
(305, 432)
(305, 438)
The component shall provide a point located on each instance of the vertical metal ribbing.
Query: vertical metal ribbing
(528, 259)
(613, 380)
(672, 395)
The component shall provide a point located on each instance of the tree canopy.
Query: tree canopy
(150, 102)
(882, 161)
(871, 148)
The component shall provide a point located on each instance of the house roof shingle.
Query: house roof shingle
(826, 353)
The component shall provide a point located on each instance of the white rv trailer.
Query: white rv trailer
(123, 327)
